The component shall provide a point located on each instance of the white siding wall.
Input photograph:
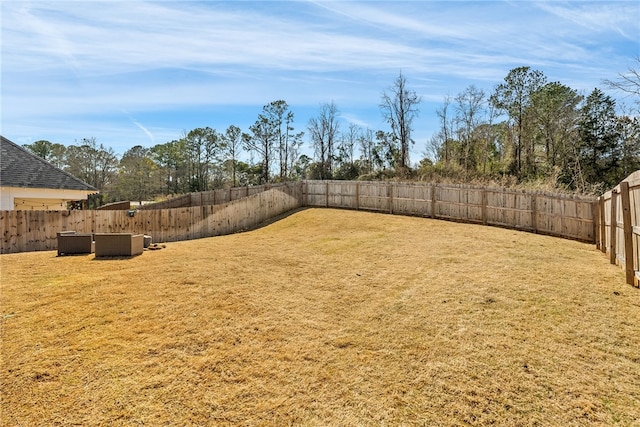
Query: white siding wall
(13, 198)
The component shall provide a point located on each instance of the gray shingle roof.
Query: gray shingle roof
(21, 168)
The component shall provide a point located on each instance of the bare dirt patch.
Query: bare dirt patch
(327, 317)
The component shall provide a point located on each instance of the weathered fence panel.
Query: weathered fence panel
(342, 193)
(213, 197)
(412, 199)
(618, 229)
(315, 193)
(373, 196)
(459, 202)
(115, 206)
(547, 213)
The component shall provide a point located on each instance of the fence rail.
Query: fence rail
(221, 212)
(618, 226)
(540, 212)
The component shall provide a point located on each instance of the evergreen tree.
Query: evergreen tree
(599, 154)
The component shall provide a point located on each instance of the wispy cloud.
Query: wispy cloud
(621, 17)
(417, 36)
(86, 61)
(140, 126)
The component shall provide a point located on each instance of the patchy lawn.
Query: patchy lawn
(326, 317)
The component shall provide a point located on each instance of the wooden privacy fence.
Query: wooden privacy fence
(213, 197)
(540, 212)
(24, 231)
(618, 226)
(221, 212)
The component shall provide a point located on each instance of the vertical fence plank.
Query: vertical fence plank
(603, 226)
(614, 227)
(433, 201)
(4, 226)
(534, 213)
(484, 206)
(12, 232)
(627, 232)
(326, 194)
(600, 231)
(21, 229)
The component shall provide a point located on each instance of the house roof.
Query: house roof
(21, 168)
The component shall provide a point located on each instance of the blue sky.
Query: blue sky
(144, 72)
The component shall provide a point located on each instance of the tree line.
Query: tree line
(532, 129)
(527, 129)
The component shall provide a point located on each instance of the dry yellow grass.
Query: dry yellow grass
(324, 318)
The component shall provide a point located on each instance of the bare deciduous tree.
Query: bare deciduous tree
(628, 82)
(232, 145)
(323, 131)
(399, 107)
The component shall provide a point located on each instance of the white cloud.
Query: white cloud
(85, 60)
(621, 16)
(140, 126)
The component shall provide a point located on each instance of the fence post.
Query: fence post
(534, 213)
(484, 206)
(603, 226)
(390, 196)
(326, 194)
(433, 201)
(614, 226)
(628, 232)
(357, 195)
(596, 224)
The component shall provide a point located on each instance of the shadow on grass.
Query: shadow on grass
(116, 258)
